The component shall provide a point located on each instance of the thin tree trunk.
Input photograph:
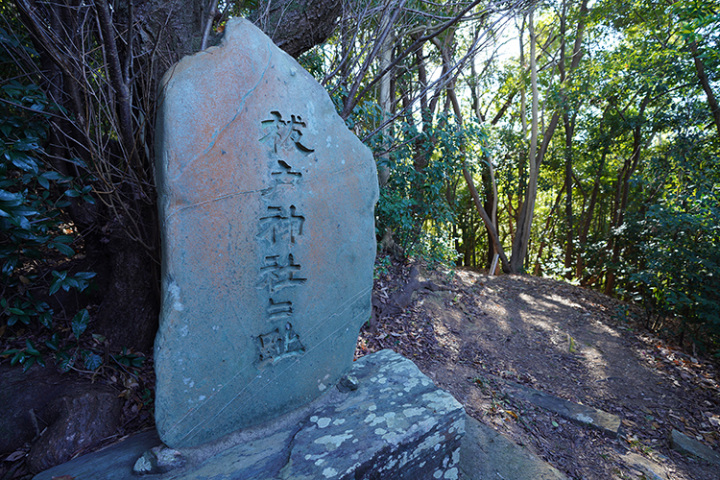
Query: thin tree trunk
(488, 173)
(522, 164)
(705, 83)
(535, 157)
(476, 196)
(486, 219)
(621, 197)
(385, 92)
(524, 224)
(546, 231)
(569, 234)
(585, 229)
(491, 200)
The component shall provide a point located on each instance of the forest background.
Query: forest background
(575, 139)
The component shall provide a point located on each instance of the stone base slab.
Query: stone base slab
(487, 454)
(389, 421)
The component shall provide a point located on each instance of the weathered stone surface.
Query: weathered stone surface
(111, 463)
(647, 468)
(684, 444)
(159, 459)
(25, 397)
(266, 201)
(48, 407)
(581, 414)
(79, 419)
(395, 425)
(487, 454)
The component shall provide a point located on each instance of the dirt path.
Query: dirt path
(567, 341)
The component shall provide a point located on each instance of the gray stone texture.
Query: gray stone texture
(25, 395)
(580, 414)
(684, 444)
(111, 463)
(487, 454)
(395, 425)
(648, 469)
(59, 414)
(81, 419)
(266, 203)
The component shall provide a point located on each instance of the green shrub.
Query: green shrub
(420, 205)
(680, 277)
(37, 239)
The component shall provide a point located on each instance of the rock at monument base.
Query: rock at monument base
(22, 393)
(395, 425)
(58, 413)
(83, 418)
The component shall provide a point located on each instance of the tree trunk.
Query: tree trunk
(489, 224)
(588, 216)
(621, 197)
(705, 83)
(549, 221)
(569, 234)
(524, 223)
(490, 207)
(488, 173)
(535, 157)
(385, 94)
(297, 25)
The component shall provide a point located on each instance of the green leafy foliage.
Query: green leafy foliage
(80, 322)
(26, 357)
(127, 359)
(92, 361)
(419, 203)
(37, 240)
(67, 281)
(680, 275)
(628, 195)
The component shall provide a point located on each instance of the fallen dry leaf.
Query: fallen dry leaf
(15, 456)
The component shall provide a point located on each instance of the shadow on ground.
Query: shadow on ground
(569, 342)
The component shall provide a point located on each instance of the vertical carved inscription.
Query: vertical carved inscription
(280, 272)
(279, 343)
(278, 222)
(284, 134)
(280, 228)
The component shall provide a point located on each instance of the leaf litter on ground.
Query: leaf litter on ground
(567, 341)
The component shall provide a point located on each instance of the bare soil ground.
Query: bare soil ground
(564, 340)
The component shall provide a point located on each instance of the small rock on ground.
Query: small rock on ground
(686, 445)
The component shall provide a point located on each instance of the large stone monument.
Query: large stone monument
(266, 202)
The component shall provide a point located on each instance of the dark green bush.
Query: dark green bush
(37, 240)
(681, 274)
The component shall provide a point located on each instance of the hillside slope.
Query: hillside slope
(471, 333)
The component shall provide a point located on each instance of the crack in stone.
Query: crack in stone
(219, 131)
